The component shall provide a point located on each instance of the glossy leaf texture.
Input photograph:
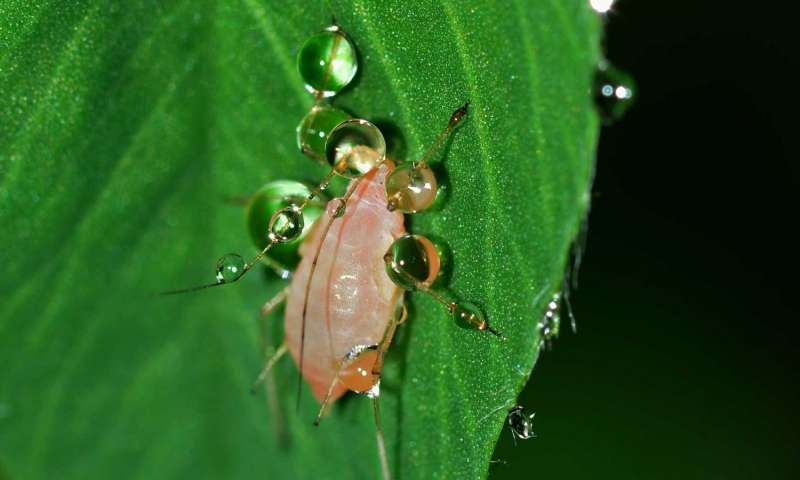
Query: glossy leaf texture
(124, 126)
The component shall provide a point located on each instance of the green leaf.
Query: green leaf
(123, 125)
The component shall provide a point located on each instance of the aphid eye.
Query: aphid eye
(327, 62)
(355, 147)
(286, 225)
(411, 187)
(229, 268)
(313, 130)
(412, 261)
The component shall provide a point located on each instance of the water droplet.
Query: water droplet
(313, 130)
(229, 268)
(411, 187)
(286, 225)
(412, 260)
(601, 6)
(521, 423)
(355, 147)
(337, 208)
(270, 198)
(469, 316)
(614, 92)
(327, 62)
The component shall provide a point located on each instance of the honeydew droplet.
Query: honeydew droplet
(286, 225)
(355, 147)
(313, 130)
(229, 268)
(411, 187)
(327, 62)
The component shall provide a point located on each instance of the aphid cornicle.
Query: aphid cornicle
(345, 298)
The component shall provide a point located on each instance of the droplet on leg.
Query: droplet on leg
(313, 130)
(411, 187)
(229, 268)
(286, 225)
(355, 147)
(412, 260)
(269, 199)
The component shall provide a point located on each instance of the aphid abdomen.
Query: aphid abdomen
(351, 298)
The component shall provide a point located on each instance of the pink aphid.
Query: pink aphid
(352, 297)
(345, 297)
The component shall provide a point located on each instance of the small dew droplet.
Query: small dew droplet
(614, 92)
(229, 268)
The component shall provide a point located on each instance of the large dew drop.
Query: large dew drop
(327, 62)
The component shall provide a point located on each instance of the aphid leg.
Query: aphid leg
(412, 186)
(412, 263)
(383, 347)
(271, 357)
(333, 384)
(376, 409)
(271, 361)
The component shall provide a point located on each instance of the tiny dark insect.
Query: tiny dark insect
(346, 296)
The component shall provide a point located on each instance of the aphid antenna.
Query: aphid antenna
(455, 120)
(291, 215)
(337, 214)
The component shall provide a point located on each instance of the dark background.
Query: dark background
(684, 365)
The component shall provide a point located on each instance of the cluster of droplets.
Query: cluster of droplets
(613, 90)
(353, 146)
(550, 324)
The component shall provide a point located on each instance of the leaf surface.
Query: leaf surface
(123, 125)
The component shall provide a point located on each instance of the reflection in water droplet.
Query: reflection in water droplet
(327, 62)
(355, 147)
(229, 268)
(614, 92)
(286, 224)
